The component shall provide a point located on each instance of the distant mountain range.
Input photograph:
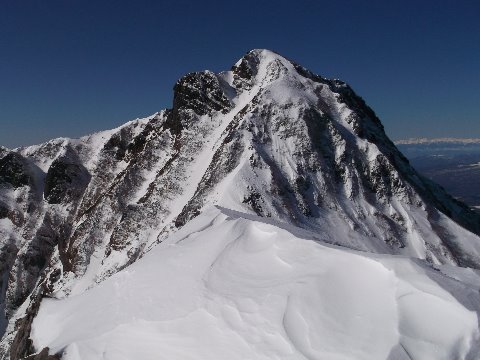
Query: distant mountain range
(422, 141)
(451, 162)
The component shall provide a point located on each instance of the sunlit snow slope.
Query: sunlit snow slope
(234, 286)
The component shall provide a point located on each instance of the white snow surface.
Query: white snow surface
(230, 285)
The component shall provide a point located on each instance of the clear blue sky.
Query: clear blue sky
(72, 67)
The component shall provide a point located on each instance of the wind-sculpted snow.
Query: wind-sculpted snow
(231, 285)
(267, 138)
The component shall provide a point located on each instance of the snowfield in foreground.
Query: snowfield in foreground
(235, 286)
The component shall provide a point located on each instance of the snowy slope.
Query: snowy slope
(267, 138)
(234, 286)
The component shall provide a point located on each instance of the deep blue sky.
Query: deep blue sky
(72, 67)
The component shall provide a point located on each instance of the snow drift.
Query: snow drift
(232, 285)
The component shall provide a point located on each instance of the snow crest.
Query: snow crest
(230, 285)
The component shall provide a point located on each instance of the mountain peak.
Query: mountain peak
(261, 56)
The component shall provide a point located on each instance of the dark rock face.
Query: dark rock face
(118, 144)
(43, 355)
(199, 92)
(65, 180)
(245, 70)
(8, 253)
(31, 262)
(3, 211)
(22, 345)
(14, 170)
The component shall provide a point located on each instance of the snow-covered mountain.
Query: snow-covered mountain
(266, 215)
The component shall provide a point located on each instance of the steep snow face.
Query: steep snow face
(267, 138)
(232, 285)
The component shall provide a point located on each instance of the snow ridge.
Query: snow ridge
(231, 285)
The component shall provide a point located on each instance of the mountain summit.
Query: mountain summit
(266, 176)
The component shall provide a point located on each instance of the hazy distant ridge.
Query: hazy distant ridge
(413, 141)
